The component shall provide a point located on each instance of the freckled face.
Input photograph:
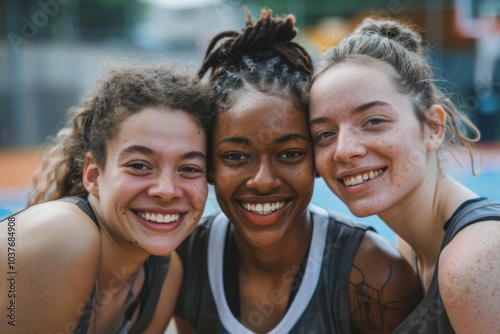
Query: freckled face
(369, 145)
(263, 166)
(153, 189)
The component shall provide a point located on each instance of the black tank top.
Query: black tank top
(156, 268)
(430, 316)
(321, 301)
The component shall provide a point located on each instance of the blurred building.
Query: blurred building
(52, 51)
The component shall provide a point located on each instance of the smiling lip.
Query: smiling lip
(264, 208)
(160, 222)
(264, 213)
(360, 178)
(157, 217)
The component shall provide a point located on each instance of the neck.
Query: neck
(419, 219)
(120, 268)
(282, 257)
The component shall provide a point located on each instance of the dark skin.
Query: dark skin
(263, 154)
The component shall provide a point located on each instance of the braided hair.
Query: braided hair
(263, 56)
(400, 47)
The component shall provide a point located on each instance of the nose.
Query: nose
(348, 146)
(166, 186)
(264, 179)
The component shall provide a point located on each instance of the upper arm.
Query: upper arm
(168, 296)
(383, 287)
(469, 271)
(56, 259)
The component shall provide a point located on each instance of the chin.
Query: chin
(362, 211)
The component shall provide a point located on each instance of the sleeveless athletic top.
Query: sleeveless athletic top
(156, 268)
(320, 303)
(430, 316)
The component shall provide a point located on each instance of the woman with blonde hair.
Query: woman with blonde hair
(380, 127)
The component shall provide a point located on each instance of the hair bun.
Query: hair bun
(393, 30)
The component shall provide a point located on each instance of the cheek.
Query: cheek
(411, 164)
(198, 192)
(408, 159)
(301, 177)
(225, 178)
(321, 158)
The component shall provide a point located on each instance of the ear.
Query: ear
(91, 173)
(436, 131)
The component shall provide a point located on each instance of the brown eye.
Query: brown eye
(291, 154)
(234, 156)
(138, 166)
(191, 169)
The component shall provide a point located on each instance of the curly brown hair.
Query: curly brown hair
(124, 91)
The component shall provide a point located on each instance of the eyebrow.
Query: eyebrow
(369, 105)
(291, 136)
(357, 110)
(244, 141)
(318, 120)
(147, 151)
(194, 155)
(135, 149)
(234, 140)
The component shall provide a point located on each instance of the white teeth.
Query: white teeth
(263, 208)
(159, 218)
(361, 178)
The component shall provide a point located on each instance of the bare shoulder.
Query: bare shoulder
(57, 230)
(468, 270)
(479, 239)
(381, 259)
(384, 289)
(57, 252)
(168, 296)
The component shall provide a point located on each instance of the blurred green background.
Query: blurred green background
(52, 51)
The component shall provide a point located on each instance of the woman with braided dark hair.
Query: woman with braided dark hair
(270, 262)
(380, 127)
(111, 202)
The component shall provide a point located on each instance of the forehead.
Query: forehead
(155, 126)
(253, 109)
(350, 78)
(167, 115)
(353, 83)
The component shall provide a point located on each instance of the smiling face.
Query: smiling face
(369, 146)
(152, 189)
(263, 165)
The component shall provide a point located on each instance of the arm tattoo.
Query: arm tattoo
(366, 303)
